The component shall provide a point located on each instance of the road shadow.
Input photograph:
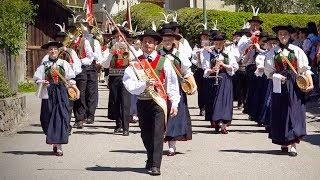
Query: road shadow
(271, 152)
(202, 126)
(30, 132)
(101, 108)
(247, 131)
(35, 125)
(98, 127)
(253, 125)
(240, 131)
(312, 139)
(193, 119)
(84, 132)
(91, 132)
(117, 169)
(192, 107)
(312, 121)
(129, 151)
(96, 116)
(140, 152)
(39, 153)
(106, 121)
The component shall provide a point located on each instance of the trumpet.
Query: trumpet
(97, 34)
(71, 37)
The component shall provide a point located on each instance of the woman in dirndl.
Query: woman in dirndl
(51, 77)
(178, 127)
(219, 71)
(288, 110)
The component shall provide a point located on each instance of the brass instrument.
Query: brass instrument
(68, 40)
(71, 37)
(97, 34)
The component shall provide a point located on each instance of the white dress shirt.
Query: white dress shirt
(204, 56)
(232, 64)
(185, 48)
(39, 75)
(87, 60)
(171, 84)
(269, 67)
(185, 62)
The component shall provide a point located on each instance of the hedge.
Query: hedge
(144, 13)
(14, 16)
(5, 90)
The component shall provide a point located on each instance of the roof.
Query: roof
(58, 3)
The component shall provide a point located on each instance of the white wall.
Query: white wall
(216, 4)
(113, 7)
(210, 4)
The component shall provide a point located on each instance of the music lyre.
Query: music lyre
(216, 76)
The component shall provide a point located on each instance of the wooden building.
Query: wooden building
(44, 29)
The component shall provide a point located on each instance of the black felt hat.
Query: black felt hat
(151, 33)
(289, 28)
(214, 32)
(170, 32)
(60, 34)
(52, 43)
(237, 33)
(174, 24)
(205, 32)
(255, 19)
(219, 37)
(123, 30)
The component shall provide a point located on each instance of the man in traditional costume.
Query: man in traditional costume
(154, 80)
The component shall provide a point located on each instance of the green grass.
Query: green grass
(28, 86)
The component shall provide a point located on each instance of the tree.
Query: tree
(278, 6)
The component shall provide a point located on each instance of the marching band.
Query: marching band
(151, 74)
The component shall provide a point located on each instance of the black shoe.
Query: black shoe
(125, 133)
(293, 154)
(78, 125)
(89, 121)
(148, 166)
(54, 149)
(154, 171)
(117, 130)
(284, 149)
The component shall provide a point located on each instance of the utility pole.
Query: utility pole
(204, 12)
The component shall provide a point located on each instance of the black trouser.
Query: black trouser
(87, 82)
(198, 76)
(119, 103)
(241, 84)
(151, 122)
